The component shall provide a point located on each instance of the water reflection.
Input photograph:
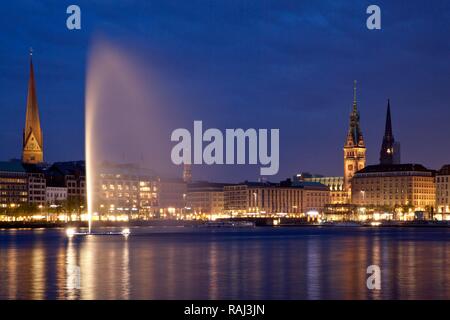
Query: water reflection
(73, 284)
(181, 263)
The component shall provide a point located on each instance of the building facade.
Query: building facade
(354, 148)
(206, 198)
(55, 195)
(21, 184)
(72, 176)
(409, 187)
(258, 198)
(335, 185)
(187, 173)
(36, 188)
(13, 185)
(126, 189)
(172, 197)
(443, 192)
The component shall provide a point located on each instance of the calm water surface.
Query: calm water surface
(200, 263)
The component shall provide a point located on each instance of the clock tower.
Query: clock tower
(32, 151)
(354, 148)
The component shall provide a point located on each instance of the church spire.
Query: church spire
(354, 136)
(32, 133)
(388, 126)
(388, 147)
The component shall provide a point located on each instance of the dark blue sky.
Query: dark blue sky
(241, 63)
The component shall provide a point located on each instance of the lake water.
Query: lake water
(202, 263)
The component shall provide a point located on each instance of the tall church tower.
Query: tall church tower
(390, 149)
(354, 148)
(187, 173)
(33, 148)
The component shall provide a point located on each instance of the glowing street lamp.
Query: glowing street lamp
(40, 209)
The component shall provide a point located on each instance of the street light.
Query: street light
(40, 208)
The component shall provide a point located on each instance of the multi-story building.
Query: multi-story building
(36, 188)
(72, 176)
(125, 188)
(148, 195)
(335, 184)
(13, 185)
(21, 184)
(315, 196)
(271, 198)
(443, 192)
(187, 173)
(36, 184)
(172, 196)
(55, 195)
(407, 186)
(206, 198)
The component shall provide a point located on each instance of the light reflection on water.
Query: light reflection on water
(259, 263)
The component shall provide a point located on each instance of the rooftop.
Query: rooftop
(11, 166)
(445, 170)
(206, 186)
(394, 168)
(286, 184)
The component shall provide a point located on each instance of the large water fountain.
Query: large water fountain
(117, 119)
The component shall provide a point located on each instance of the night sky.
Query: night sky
(240, 63)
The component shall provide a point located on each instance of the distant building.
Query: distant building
(315, 196)
(390, 149)
(206, 197)
(172, 196)
(55, 195)
(443, 192)
(354, 148)
(72, 176)
(408, 186)
(187, 173)
(272, 198)
(13, 185)
(335, 184)
(21, 184)
(36, 184)
(125, 188)
(33, 147)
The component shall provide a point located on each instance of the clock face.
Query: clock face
(32, 144)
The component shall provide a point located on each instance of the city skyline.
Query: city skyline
(232, 152)
(389, 145)
(320, 106)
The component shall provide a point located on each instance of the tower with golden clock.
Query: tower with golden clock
(33, 148)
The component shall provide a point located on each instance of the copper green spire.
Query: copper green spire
(354, 136)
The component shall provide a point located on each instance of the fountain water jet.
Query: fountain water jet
(111, 84)
(126, 115)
